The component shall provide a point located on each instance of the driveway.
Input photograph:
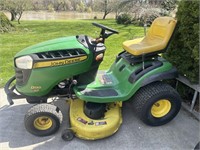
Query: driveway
(181, 133)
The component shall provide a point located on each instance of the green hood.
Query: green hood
(52, 45)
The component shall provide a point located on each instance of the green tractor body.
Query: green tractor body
(56, 61)
(68, 67)
(122, 80)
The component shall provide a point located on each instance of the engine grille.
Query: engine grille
(19, 76)
(61, 54)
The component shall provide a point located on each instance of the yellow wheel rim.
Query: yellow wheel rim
(160, 108)
(43, 123)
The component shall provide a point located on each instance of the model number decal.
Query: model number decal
(35, 88)
(59, 62)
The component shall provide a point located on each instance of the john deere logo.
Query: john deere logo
(59, 62)
(64, 62)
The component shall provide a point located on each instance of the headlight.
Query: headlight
(24, 62)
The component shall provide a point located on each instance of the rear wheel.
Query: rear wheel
(157, 103)
(43, 119)
(197, 147)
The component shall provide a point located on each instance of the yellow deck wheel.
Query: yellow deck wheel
(161, 108)
(43, 123)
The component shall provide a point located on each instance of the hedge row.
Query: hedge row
(184, 48)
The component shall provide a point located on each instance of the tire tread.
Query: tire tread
(143, 95)
(42, 108)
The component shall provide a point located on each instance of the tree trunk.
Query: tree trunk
(105, 9)
(104, 16)
(20, 15)
(13, 15)
(117, 12)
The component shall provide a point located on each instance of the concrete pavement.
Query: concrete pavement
(181, 133)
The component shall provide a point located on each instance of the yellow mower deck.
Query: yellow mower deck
(91, 129)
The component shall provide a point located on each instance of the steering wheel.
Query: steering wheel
(105, 28)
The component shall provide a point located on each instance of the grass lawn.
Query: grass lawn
(33, 32)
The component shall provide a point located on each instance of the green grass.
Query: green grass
(32, 32)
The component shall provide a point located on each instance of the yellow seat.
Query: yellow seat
(156, 39)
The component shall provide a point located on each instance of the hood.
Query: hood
(52, 45)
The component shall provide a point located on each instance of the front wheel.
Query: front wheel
(43, 119)
(157, 103)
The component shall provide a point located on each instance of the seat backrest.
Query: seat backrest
(162, 29)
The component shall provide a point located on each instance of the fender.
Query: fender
(170, 74)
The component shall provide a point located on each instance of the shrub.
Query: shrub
(141, 21)
(184, 49)
(137, 22)
(5, 24)
(124, 19)
(149, 20)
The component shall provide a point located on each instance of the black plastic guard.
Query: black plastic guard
(10, 91)
(143, 70)
(171, 74)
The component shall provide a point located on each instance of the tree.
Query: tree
(107, 9)
(20, 8)
(106, 6)
(81, 6)
(145, 11)
(15, 7)
(168, 6)
(61, 5)
(35, 5)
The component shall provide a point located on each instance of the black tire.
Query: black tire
(36, 100)
(157, 103)
(67, 135)
(43, 119)
(197, 147)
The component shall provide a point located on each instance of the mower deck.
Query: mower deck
(91, 129)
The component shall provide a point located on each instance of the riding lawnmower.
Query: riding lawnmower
(68, 67)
